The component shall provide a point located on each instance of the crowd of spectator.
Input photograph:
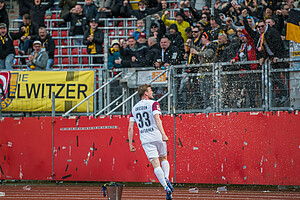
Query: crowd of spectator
(239, 30)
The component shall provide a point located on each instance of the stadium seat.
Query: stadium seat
(16, 43)
(85, 60)
(84, 51)
(54, 33)
(64, 33)
(130, 32)
(75, 60)
(111, 32)
(74, 51)
(65, 61)
(64, 51)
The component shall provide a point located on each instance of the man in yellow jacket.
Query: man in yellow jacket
(181, 24)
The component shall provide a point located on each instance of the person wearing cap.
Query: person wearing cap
(3, 14)
(246, 52)
(142, 40)
(48, 45)
(143, 10)
(30, 32)
(176, 40)
(7, 49)
(181, 25)
(37, 11)
(93, 38)
(78, 23)
(140, 29)
(206, 54)
(114, 54)
(38, 59)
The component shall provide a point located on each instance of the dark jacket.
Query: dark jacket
(4, 16)
(22, 8)
(152, 53)
(98, 40)
(90, 11)
(49, 45)
(227, 51)
(170, 56)
(66, 6)
(33, 30)
(37, 12)
(78, 23)
(178, 42)
(8, 47)
(273, 40)
(140, 52)
(141, 14)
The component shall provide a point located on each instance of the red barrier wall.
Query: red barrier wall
(243, 148)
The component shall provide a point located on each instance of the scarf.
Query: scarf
(3, 39)
(27, 30)
(92, 46)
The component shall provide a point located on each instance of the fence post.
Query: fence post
(267, 85)
(53, 121)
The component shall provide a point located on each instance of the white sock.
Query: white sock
(166, 168)
(160, 176)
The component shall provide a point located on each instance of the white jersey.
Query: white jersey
(143, 114)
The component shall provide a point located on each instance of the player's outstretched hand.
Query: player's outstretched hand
(132, 148)
(165, 138)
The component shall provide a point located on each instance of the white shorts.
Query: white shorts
(155, 149)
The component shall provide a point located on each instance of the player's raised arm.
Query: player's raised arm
(160, 127)
(130, 136)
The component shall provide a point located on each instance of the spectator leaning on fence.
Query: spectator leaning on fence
(48, 45)
(114, 56)
(94, 38)
(38, 59)
(7, 49)
(134, 55)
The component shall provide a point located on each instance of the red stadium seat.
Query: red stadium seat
(84, 51)
(65, 61)
(55, 60)
(85, 60)
(64, 33)
(75, 60)
(64, 51)
(121, 32)
(54, 33)
(74, 51)
(16, 43)
(130, 32)
(56, 52)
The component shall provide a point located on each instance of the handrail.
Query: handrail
(67, 113)
(163, 72)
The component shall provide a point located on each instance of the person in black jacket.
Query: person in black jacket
(176, 40)
(270, 46)
(143, 11)
(3, 14)
(37, 11)
(22, 8)
(94, 38)
(7, 49)
(89, 10)
(169, 54)
(134, 55)
(153, 51)
(78, 22)
(30, 32)
(47, 44)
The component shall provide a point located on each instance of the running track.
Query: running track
(77, 192)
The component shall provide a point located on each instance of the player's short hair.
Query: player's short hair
(142, 89)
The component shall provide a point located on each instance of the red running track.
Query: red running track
(78, 192)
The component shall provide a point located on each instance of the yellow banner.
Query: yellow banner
(31, 91)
